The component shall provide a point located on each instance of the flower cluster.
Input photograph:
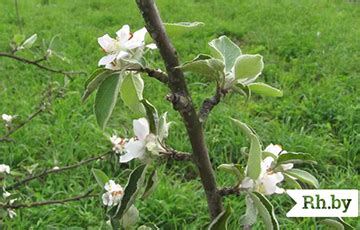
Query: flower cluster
(8, 119)
(125, 50)
(113, 195)
(268, 179)
(143, 142)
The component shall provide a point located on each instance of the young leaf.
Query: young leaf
(220, 222)
(18, 39)
(265, 90)
(332, 224)
(180, 28)
(132, 188)
(151, 184)
(226, 50)
(152, 115)
(131, 93)
(235, 169)
(250, 216)
(205, 65)
(130, 217)
(303, 176)
(291, 181)
(105, 100)
(163, 126)
(255, 152)
(30, 41)
(295, 158)
(346, 225)
(93, 82)
(248, 66)
(265, 209)
(254, 160)
(100, 177)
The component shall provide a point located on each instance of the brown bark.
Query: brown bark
(182, 102)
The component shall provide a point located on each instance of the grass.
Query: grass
(310, 49)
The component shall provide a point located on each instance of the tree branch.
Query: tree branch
(154, 73)
(48, 202)
(177, 84)
(37, 64)
(230, 191)
(176, 155)
(210, 103)
(55, 170)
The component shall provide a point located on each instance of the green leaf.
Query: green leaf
(163, 125)
(18, 39)
(255, 152)
(95, 79)
(151, 184)
(250, 216)
(332, 224)
(130, 217)
(303, 176)
(205, 65)
(291, 182)
(152, 115)
(235, 169)
(248, 66)
(266, 210)
(132, 188)
(241, 89)
(294, 158)
(264, 89)
(221, 221)
(131, 91)
(226, 50)
(105, 100)
(148, 226)
(30, 41)
(346, 225)
(100, 177)
(180, 28)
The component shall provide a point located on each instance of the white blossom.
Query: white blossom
(8, 119)
(268, 179)
(126, 48)
(113, 195)
(11, 213)
(6, 194)
(143, 141)
(118, 143)
(4, 168)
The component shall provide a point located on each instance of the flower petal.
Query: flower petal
(106, 42)
(134, 149)
(274, 149)
(107, 59)
(122, 54)
(247, 183)
(123, 34)
(151, 46)
(141, 128)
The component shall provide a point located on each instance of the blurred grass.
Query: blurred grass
(311, 51)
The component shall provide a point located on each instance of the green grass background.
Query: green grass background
(311, 51)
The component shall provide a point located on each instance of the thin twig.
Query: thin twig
(154, 73)
(48, 202)
(36, 63)
(18, 16)
(229, 191)
(6, 137)
(55, 170)
(210, 103)
(176, 155)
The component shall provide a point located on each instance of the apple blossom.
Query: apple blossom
(8, 119)
(114, 193)
(118, 143)
(11, 213)
(124, 50)
(268, 178)
(143, 141)
(6, 194)
(4, 168)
